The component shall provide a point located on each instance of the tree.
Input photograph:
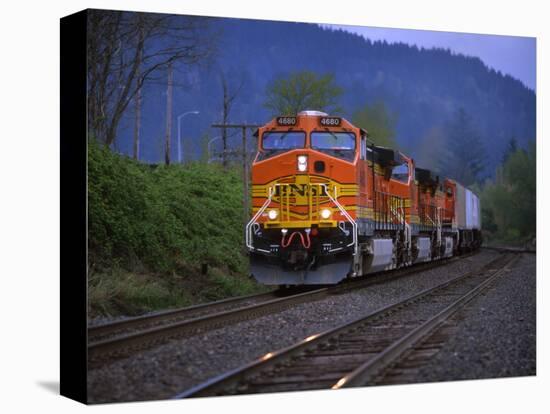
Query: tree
(511, 148)
(520, 175)
(303, 90)
(229, 97)
(379, 123)
(430, 148)
(488, 220)
(126, 49)
(204, 141)
(189, 149)
(511, 201)
(464, 156)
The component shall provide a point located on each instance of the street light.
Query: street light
(209, 143)
(179, 131)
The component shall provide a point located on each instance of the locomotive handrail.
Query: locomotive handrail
(354, 243)
(438, 223)
(389, 209)
(254, 219)
(431, 216)
(399, 212)
(425, 214)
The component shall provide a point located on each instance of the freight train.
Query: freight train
(328, 204)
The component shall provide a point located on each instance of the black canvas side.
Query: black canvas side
(73, 370)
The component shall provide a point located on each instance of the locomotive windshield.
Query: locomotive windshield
(337, 144)
(401, 173)
(275, 142)
(283, 140)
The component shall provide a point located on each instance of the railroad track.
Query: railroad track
(123, 338)
(361, 352)
(124, 326)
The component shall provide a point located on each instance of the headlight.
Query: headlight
(272, 214)
(325, 213)
(302, 162)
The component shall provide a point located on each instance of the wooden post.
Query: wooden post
(168, 116)
(225, 116)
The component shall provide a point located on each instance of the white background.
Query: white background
(29, 203)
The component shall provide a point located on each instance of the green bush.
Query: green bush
(151, 227)
(509, 202)
(163, 218)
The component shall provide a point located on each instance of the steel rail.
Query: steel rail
(370, 369)
(231, 379)
(135, 322)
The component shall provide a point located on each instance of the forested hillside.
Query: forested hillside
(423, 89)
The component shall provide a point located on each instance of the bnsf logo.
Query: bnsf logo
(300, 190)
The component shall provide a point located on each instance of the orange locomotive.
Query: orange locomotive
(328, 204)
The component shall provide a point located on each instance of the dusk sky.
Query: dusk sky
(512, 55)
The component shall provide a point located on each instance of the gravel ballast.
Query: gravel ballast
(496, 334)
(180, 364)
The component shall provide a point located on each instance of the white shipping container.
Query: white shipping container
(460, 206)
(472, 211)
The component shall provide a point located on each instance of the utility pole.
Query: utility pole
(246, 172)
(226, 105)
(168, 116)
